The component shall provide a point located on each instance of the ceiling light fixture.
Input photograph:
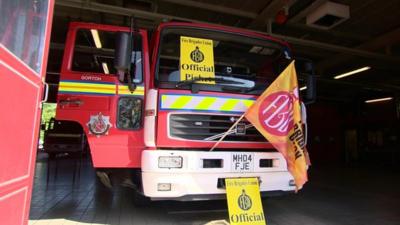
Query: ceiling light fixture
(352, 72)
(303, 88)
(379, 100)
(105, 68)
(96, 38)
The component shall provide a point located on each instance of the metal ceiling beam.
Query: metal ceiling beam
(386, 39)
(379, 87)
(299, 16)
(99, 7)
(335, 33)
(111, 9)
(380, 42)
(269, 12)
(294, 22)
(88, 17)
(213, 7)
(337, 48)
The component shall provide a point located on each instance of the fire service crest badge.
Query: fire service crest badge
(99, 124)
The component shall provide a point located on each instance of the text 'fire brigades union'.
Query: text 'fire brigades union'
(244, 201)
(196, 59)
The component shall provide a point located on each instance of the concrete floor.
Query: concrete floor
(333, 196)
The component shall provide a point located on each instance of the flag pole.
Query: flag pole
(227, 132)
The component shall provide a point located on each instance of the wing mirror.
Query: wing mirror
(311, 82)
(122, 58)
(305, 68)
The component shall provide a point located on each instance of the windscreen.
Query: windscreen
(240, 64)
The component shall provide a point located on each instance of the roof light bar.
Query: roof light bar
(352, 72)
(96, 38)
(379, 100)
(105, 68)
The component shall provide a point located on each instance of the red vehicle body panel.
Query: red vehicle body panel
(120, 148)
(161, 129)
(163, 141)
(20, 94)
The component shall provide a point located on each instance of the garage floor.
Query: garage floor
(333, 196)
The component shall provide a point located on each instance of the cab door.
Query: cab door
(24, 40)
(90, 91)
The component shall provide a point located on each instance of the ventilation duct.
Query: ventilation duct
(328, 15)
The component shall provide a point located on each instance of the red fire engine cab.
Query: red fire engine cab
(140, 113)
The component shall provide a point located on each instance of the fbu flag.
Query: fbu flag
(277, 115)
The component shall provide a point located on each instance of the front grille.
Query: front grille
(210, 127)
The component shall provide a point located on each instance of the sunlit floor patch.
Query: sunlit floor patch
(333, 196)
(60, 222)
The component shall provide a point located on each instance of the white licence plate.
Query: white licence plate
(242, 162)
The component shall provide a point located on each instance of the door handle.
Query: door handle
(64, 102)
(46, 92)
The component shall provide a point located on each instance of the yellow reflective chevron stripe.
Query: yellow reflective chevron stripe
(205, 103)
(74, 87)
(229, 104)
(163, 98)
(182, 101)
(247, 103)
(124, 90)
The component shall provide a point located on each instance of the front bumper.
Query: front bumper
(197, 182)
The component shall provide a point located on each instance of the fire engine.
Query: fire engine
(140, 112)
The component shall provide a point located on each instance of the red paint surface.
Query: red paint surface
(122, 148)
(119, 148)
(18, 120)
(162, 131)
(20, 94)
(14, 206)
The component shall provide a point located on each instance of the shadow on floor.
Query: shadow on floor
(333, 196)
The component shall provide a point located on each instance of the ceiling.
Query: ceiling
(370, 37)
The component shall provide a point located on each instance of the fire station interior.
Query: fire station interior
(353, 122)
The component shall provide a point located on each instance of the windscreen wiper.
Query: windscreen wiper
(224, 81)
(195, 80)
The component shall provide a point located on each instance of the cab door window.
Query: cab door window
(94, 52)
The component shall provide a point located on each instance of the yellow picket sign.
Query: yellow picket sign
(196, 59)
(244, 201)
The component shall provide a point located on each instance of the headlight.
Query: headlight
(170, 162)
